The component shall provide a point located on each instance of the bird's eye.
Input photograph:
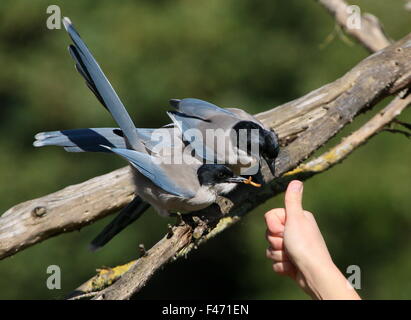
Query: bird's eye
(220, 174)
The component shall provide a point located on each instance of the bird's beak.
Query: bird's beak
(271, 165)
(237, 179)
(244, 180)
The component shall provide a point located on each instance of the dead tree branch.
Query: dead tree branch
(66, 210)
(338, 153)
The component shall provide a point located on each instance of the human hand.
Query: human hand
(298, 249)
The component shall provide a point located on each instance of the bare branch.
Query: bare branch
(353, 141)
(66, 210)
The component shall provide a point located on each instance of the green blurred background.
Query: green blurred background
(253, 54)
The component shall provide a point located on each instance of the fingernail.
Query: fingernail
(296, 186)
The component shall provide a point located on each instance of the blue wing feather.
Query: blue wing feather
(146, 165)
(201, 109)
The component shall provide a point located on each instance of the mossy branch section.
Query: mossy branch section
(104, 278)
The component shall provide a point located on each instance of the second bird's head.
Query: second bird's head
(266, 140)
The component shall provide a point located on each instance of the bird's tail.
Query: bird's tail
(82, 140)
(98, 83)
(125, 217)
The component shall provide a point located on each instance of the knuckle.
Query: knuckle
(269, 214)
(308, 214)
(277, 267)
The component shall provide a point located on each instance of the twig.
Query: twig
(353, 141)
(404, 133)
(371, 34)
(403, 124)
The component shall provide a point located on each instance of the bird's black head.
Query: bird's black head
(268, 146)
(211, 174)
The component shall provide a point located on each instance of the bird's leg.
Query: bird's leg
(170, 231)
(142, 250)
(201, 227)
(179, 220)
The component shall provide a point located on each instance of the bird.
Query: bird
(242, 140)
(167, 187)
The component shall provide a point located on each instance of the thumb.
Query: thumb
(294, 198)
